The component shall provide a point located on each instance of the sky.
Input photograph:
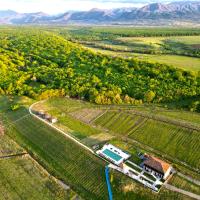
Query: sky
(60, 6)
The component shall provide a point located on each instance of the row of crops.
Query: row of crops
(62, 157)
(21, 178)
(175, 141)
(120, 122)
(87, 115)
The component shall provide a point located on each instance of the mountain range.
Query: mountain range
(154, 12)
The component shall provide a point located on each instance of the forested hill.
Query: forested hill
(40, 64)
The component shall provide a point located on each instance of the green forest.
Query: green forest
(41, 63)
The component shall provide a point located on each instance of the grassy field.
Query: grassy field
(171, 50)
(159, 40)
(182, 62)
(21, 178)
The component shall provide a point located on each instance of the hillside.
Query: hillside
(47, 65)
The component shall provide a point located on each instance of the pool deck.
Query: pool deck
(113, 154)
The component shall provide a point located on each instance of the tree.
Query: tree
(149, 96)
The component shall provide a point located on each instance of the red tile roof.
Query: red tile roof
(157, 164)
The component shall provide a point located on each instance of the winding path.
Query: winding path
(51, 125)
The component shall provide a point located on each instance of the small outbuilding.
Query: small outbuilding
(41, 113)
(53, 120)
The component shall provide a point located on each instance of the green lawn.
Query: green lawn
(21, 178)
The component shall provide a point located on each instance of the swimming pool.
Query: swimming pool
(112, 155)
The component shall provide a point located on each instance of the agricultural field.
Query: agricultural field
(62, 157)
(9, 147)
(184, 184)
(22, 178)
(67, 161)
(167, 138)
(135, 94)
(110, 125)
(182, 62)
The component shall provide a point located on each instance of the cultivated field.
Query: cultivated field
(178, 48)
(67, 161)
(185, 184)
(21, 178)
(167, 138)
(9, 147)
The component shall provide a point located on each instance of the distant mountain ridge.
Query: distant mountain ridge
(186, 11)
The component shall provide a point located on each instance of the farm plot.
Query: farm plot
(87, 115)
(62, 157)
(175, 141)
(119, 122)
(22, 178)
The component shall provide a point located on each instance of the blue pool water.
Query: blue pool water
(112, 155)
